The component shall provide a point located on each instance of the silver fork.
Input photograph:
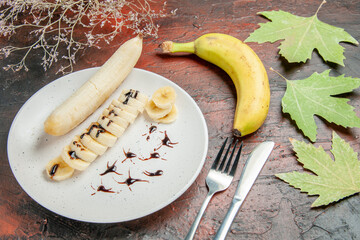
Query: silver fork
(218, 179)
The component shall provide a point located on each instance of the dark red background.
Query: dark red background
(273, 209)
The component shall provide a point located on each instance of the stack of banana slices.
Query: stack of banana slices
(99, 136)
(161, 107)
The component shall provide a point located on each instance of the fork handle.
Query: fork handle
(230, 215)
(196, 222)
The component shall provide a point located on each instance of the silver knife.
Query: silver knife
(251, 170)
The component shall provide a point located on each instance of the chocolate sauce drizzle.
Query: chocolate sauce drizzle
(53, 170)
(130, 181)
(166, 142)
(100, 129)
(110, 169)
(154, 174)
(102, 188)
(112, 112)
(130, 94)
(152, 129)
(77, 144)
(73, 155)
(152, 156)
(109, 122)
(128, 155)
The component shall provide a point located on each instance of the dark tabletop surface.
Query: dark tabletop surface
(273, 209)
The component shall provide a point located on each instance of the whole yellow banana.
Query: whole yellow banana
(245, 69)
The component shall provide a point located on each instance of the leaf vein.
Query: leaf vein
(322, 42)
(323, 106)
(330, 172)
(303, 37)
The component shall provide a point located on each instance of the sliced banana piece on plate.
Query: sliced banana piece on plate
(170, 117)
(126, 107)
(128, 100)
(128, 116)
(71, 159)
(136, 95)
(81, 151)
(58, 170)
(102, 136)
(155, 112)
(92, 144)
(110, 126)
(161, 107)
(164, 97)
(115, 118)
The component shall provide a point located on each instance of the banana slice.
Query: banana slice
(164, 97)
(128, 100)
(110, 126)
(126, 115)
(71, 159)
(170, 117)
(92, 145)
(81, 151)
(155, 112)
(126, 107)
(101, 135)
(58, 170)
(115, 118)
(136, 94)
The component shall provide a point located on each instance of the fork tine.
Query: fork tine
(217, 159)
(231, 156)
(224, 158)
(233, 169)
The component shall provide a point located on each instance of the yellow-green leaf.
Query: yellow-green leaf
(301, 35)
(332, 180)
(316, 95)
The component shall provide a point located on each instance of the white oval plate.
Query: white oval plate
(30, 148)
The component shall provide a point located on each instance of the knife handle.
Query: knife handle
(230, 215)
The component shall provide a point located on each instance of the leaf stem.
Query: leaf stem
(271, 69)
(323, 2)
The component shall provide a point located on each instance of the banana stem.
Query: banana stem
(172, 47)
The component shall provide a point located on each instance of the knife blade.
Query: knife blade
(251, 170)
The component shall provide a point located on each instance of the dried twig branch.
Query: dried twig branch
(77, 24)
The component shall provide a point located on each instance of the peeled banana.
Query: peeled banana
(161, 107)
(98, 137)
(96, 90)
(245, 69)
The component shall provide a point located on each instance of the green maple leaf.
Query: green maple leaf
(334, 179)
(301, 36)
(315, 96)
